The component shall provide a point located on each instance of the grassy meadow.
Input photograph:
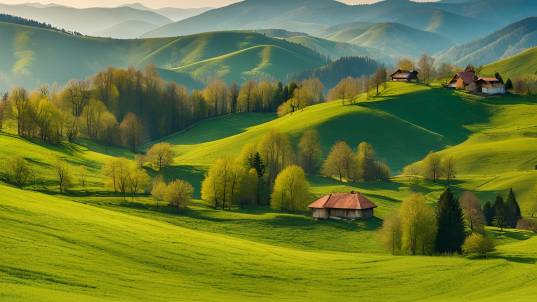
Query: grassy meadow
(97, 246)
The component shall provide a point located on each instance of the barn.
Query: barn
(351, 205)
(404, 76)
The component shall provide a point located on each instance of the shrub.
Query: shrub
(179, 193)
(477, 244)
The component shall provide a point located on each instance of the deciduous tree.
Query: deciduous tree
(63, 175)
(309, 151)
(291, 190)
(161, 155)
(340, 162)
(178, 193)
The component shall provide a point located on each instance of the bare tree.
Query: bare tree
(63, 176)
(426, 67)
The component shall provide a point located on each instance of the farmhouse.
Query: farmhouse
(469, 80)
(343, 205)
(404, 76)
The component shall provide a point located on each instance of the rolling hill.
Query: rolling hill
(86, 21)
(34, 55)
(98, 246)
(501, 44)
(521, 65)
(131, 29)
(393, 39)
(311, 16)
(173, 13)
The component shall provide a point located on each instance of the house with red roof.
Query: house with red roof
(352, 205)
(469, 80)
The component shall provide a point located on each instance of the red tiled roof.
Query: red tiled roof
(350, 201)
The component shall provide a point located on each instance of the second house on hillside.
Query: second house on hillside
(469, 80)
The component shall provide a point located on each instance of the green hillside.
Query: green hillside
(520, 65)
(501, 44)
(396, 40)
(94, 245)
(32, 56)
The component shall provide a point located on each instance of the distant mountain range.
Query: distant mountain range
(86, 21)
(498, 45)
(393, 39)
(458, 22)
(33, 55)
(127, 21)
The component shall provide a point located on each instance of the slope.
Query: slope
(521, 65)
(396, 40)
(56, 249)
(86, 20)
(387, 128)
(126, 30)
(33, 56)
(498, 45)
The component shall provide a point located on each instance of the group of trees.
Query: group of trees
(433, 167)
(363, 165)
(425, 64)
(125, 177)
(349, 89)
(266, 172)
(503, 214)
(127, 106)
(420, 229)
(177, 193)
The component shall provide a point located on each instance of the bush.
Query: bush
(179, 193)
(477, 244)
(527, 224)
(17, 171)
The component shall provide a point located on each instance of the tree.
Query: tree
(277, 153)
(309, 151)
(406, 64)
(478, 244)
(533, 208)
(488, 212)
(380, 78)
(63, 176)
(512, 210)
(418, 226)
(247, 97)
(451, 233)
(509, 85)
(340, 162)
(426, 68)
(17, 171)
(256, 163)
(158, 190)
(291, 190)
(178, 193)
(222, 185)
(20, 106)
(82, 177)
(390, 234)
(161, 155)
(315, 88)
(2, 112)
(447, 165)
(138, 180)
(431, 167)
(473, 215)
(366, 162)
(346, 90)
(118, 172)
(131, 131)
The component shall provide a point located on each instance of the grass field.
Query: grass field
(522, 64)
(96, 246)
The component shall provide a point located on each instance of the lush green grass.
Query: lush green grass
(520, 65)
(65, 251)
(101, 247)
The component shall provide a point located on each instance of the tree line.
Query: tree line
(125, 107)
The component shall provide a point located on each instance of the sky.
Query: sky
(151, 3)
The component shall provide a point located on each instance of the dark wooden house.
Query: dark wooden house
(405, 76)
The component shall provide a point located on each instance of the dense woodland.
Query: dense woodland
(29, 22)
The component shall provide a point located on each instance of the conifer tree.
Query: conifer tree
(488, 211)
(451, 235)
(511, 210)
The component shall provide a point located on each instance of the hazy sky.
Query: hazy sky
(152, 3)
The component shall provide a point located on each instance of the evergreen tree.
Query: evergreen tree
(511, 210)
(488, 211)
(509, 85)
(256, 163)
(498, 205)
(451, 235)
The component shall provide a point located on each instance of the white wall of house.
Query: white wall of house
(493, 90)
